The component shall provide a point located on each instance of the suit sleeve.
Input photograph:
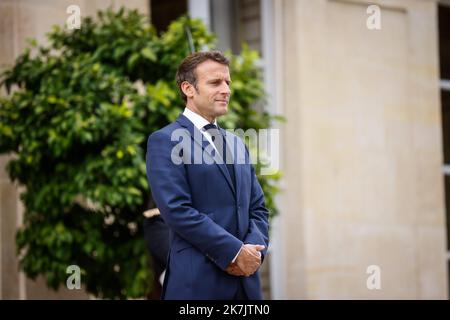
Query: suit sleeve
(172, 194)
(258, 231)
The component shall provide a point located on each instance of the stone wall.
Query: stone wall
(362, 151)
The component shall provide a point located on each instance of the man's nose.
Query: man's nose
(225, 89)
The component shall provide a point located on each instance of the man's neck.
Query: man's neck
(209, 119)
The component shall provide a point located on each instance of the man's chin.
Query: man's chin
(222, 110)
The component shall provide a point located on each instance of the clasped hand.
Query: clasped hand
(247, 262)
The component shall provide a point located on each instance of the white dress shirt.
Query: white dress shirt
(199, 122)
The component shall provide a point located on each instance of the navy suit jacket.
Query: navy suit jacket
(209, 217)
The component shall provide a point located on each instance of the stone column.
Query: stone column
(362, 151)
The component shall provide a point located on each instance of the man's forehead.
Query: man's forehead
(217, 75)
(212, 69)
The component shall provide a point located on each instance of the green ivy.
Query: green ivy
(76, 119)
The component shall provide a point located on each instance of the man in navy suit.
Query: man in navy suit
(206, 189)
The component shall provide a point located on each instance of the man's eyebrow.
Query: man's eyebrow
(218, 79)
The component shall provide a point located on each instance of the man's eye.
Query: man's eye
(218, 83)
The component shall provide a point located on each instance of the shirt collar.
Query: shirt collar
(198, 121)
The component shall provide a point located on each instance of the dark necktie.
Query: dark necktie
(221, 146)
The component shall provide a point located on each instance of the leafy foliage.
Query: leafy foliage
(76, 119)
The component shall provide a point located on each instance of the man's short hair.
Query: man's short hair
(186, 70)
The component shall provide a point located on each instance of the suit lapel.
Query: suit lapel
(197, 137)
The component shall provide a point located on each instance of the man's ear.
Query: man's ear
(188, 89)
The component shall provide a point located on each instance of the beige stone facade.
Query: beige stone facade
(361, 149)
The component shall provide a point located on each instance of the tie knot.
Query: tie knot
(209, 126)
(213, 130)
